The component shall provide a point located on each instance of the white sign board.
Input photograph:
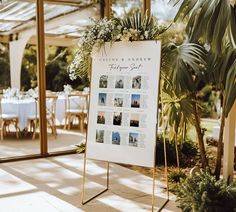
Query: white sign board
(123, 103)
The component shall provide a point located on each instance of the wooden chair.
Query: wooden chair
(6, 120)
(76, 107)
(33, 120)
(51, 101)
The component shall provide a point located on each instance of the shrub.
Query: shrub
(187, 152)
(203, 193)
(176, 176)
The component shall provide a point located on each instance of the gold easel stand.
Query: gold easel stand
(83, 201)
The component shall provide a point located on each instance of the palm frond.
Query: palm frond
(208, 21)
(230, 90)
(183, 64)
(219, 65)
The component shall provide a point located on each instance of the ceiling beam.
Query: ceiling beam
(74, 3)
(54, 41)
(49, 40)
(12, 21)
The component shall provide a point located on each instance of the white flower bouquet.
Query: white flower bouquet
(132, 28)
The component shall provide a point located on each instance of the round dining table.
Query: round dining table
(24, 108)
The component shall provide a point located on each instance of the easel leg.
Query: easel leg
(153, 192)
(153, 188)
(83, 202)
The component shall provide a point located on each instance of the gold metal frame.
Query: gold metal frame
(83, 201)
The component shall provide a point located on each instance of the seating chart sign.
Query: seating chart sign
(123, 103)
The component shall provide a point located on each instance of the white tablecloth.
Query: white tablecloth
(26, 107)
(21, 108)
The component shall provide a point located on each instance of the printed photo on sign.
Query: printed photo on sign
(134, 120)
(117, 118)
(118, 102)
(135, 100)
(119, 82)
(133, 139)
(116, 138)
(103, 81)
(100, 136)
(101, 117)
(136, 82)
(102, 98)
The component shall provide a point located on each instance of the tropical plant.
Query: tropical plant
(213, 23)
(183, 68)
(177, 110)
(202, 192)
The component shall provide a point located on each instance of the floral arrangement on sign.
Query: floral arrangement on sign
(137, 27)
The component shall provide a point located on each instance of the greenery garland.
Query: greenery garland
(136, 27)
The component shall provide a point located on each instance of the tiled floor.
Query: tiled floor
(54, 185)
(65, 140)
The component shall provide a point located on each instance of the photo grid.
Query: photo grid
(132, 138)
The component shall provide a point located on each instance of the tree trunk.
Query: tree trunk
(177, 151)
(220, 148)
(200, 135)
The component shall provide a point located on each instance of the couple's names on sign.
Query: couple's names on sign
(122, 59)
(123, 103)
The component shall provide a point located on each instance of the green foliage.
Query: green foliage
(29, 68)
(208, 100)
(209, 20)
(177, 108)
(4, 67)
(188, 152)
(176, 176)
(131, 28)
(57, 60)
(184, 64)
(81, 148)
(222, 74)
(203, 193)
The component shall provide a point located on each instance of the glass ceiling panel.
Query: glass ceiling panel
(14, 11)
(7, 26)
(63, 29)
(18, 15)
(26, 11)
(164, 10)
(52, 11)
(122, 7)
